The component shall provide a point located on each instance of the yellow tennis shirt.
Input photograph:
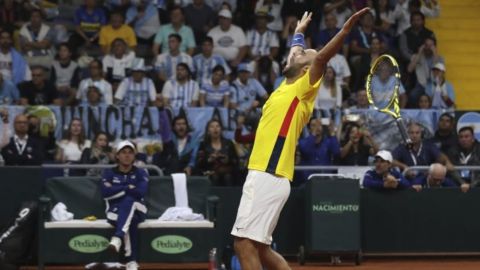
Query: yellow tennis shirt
(284, 115)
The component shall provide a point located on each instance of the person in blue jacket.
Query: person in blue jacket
(383, 176)
(123, 189)
(436, 178)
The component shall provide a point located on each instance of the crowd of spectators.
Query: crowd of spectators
(211, 53)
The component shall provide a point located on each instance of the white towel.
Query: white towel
(180, 214)
(180, 189)
(60, 213)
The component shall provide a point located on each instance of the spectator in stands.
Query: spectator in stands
(204, 62)
(439, 89)
(229, 40)
(329, 93)
(65, 74)
(99, 153)
(424, 102)
(143, 17)
(216, 156)
(404, 8)
(320, 148)
(5, 134)
(48, 141)
(215, 92)
(361, 101)
(436, 177)
(342, 70)
(138, 89)
(118, 63)
(96, 81)
(184, 145)
(361, 40)
(117, 29)
(384, 82)
(218, 5)
(274, 8)
(261, 41)
(383, 176)
(12, 64)
(247, 94)
(126, 203)
(166, 63)
(340, 9)
(38, 91)
(12, 15)
(266, 71)
(322, 37)
(70, 149)
(384, 18)
(357, 146)
(366, 62)
(200, 17)
(422, 63)
(414, 37)
(181, 91)
(88, 20)
(466, 153)
(177, 26)
(445, 137)
(22, 150)
(9, 94)
(36, 40)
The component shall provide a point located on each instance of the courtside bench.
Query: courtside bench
(80, 241)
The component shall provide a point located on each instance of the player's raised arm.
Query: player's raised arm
(298, 40)
(323, 56)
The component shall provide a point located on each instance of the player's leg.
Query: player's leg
(247, 253)
(131, 241)
(271, 259)
(125, 213)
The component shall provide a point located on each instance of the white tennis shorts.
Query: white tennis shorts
(263, 198)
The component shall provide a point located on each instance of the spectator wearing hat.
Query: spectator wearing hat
(261, 41)
(200, 17)
(116, 29)
(216, 91)
(124, 188)
(229, 40)
(436, 177)
(247, 94)
(136, 90)
(166, 63)
(383, 177)
(204, 62)
(274, 8)
(439, 89)
(177, 26)
(182, 90)
(94, 83)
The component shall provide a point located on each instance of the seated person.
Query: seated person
(436, 178)
(466, 153)
(124, 188)
(215, 92)
(383, 176)
(138, 89)
(65, 74)
(117, 65)
(99, 153)
(38, 91)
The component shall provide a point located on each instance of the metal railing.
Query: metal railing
(98, 166)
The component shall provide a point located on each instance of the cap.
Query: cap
(124, 144)
(225, 13)
(138, 64)
(439, 66)
(385, 155)
(263, 13)
(243, 67)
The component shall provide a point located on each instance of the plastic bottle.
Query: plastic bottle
(212, 259)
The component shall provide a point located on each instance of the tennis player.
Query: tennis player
(284, 115)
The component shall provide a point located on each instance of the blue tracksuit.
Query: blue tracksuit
(125, 207)
(374, 180)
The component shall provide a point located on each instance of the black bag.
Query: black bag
(17, 238)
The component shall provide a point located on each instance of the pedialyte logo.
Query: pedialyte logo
(334, 208)
(88, 243)
(172, 244)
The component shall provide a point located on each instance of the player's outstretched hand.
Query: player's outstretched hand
(354, 18)
(303, 23)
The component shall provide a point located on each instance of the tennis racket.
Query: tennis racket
(383, 83)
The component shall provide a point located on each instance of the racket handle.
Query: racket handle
(403, 132)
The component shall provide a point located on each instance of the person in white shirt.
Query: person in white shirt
(96, 80)
(137, 90)
(181, 91)
(70, 149)
(341, 68)
(118, 63)
(229, 40)
(329, 93)
(274, 9)
(166, 63)
(12, 64)
(261, 41)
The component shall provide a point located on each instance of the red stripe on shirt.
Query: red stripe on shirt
(288, 118)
